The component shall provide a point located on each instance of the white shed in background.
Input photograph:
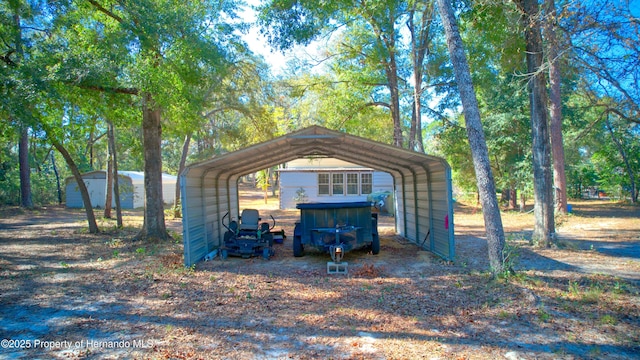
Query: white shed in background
(330, 180)
(131, 189)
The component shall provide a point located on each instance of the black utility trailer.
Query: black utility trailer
(336, 228)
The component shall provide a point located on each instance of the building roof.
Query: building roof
(137, 177)
(328, 169)
(319, 142)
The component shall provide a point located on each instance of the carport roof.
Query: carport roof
(315, 141)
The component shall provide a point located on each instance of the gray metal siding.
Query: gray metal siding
(95, 187)
(72, 194)
(130, 196)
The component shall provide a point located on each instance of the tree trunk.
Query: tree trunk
(276, 181)
(391, 71)
(544, 227)
(414, 124)
(111, 137)
(513, 198)
(475, 133)
(90, 145)
(154, 225)
(505, 196)
(55, 172)
(419, 48)
(26, 200)
(625, 159)
(557, 144)
(109, 189)
(183, 161)
(392, 79)
(84, 193)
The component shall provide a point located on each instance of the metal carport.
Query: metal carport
(423, 192)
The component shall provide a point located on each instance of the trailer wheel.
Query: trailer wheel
(375, 244)
(297, 246)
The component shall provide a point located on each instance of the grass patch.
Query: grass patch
(504, 315)
(608, 320)
(543, 315)
(590, 293)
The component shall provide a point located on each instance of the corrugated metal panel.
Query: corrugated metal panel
(382, 181)
(400, 208)
(126, 193)
(169, 193)
(95, 186)
(72, 194)
(131, 192)
(191, 191)
(314, 164)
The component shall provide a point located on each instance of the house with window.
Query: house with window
(330, 180)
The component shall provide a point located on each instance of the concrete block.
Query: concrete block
(337, 268)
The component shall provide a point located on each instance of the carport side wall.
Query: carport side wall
(205, 199)
(193, 219)
(429, 215)
(442, 212)
(233, 199)
(216, 199)
(202, 216)
(400, 206)
(410, 210)
(219, 193)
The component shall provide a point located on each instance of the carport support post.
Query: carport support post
(417, 209)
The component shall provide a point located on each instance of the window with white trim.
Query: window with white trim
(352, 184)
(347, 183)
(366, 183)
(337, 184)
(323, 184)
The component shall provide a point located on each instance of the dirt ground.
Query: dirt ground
(71, 295)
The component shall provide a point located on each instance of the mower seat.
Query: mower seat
(249, 220)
